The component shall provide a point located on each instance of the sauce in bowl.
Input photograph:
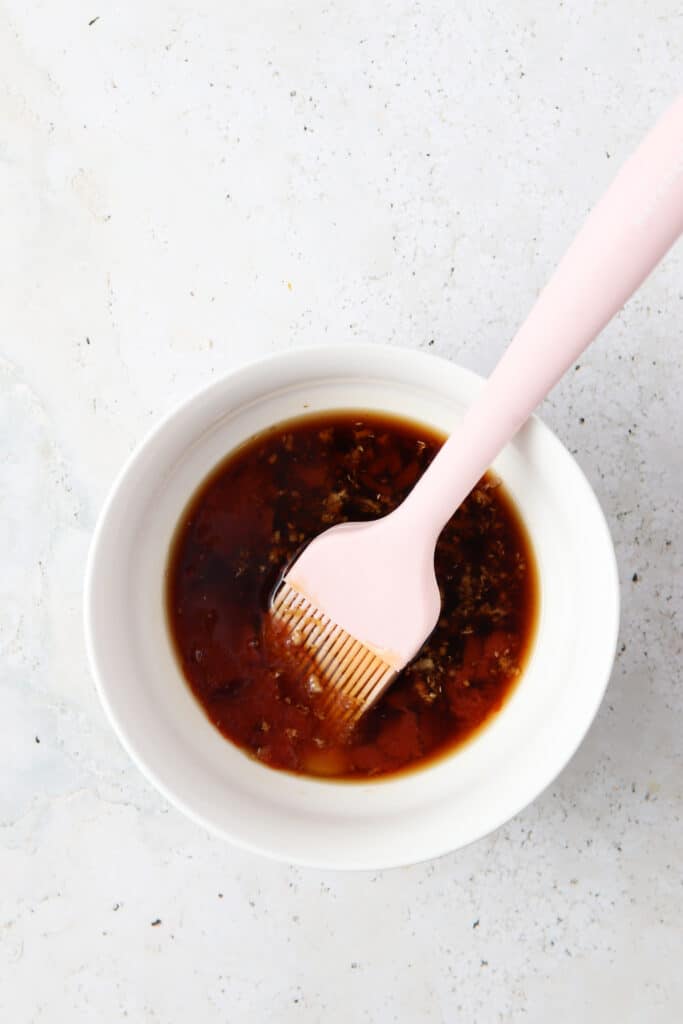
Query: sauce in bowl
(246, 523)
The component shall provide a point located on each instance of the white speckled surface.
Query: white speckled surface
(412, 171)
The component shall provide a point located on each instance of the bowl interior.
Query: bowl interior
(341, 824)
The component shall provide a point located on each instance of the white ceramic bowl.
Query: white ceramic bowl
(317, 822)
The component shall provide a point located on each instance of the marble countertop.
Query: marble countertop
(186, 186)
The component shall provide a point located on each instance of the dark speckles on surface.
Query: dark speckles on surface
(320, 210)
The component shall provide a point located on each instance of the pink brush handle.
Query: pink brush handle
(634, 224)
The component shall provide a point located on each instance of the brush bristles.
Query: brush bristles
(352, 677)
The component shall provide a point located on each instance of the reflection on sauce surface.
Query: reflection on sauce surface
(245, 524)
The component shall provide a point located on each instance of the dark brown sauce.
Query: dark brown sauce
(242, 528)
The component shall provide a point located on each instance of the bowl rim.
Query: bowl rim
(356, 353)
